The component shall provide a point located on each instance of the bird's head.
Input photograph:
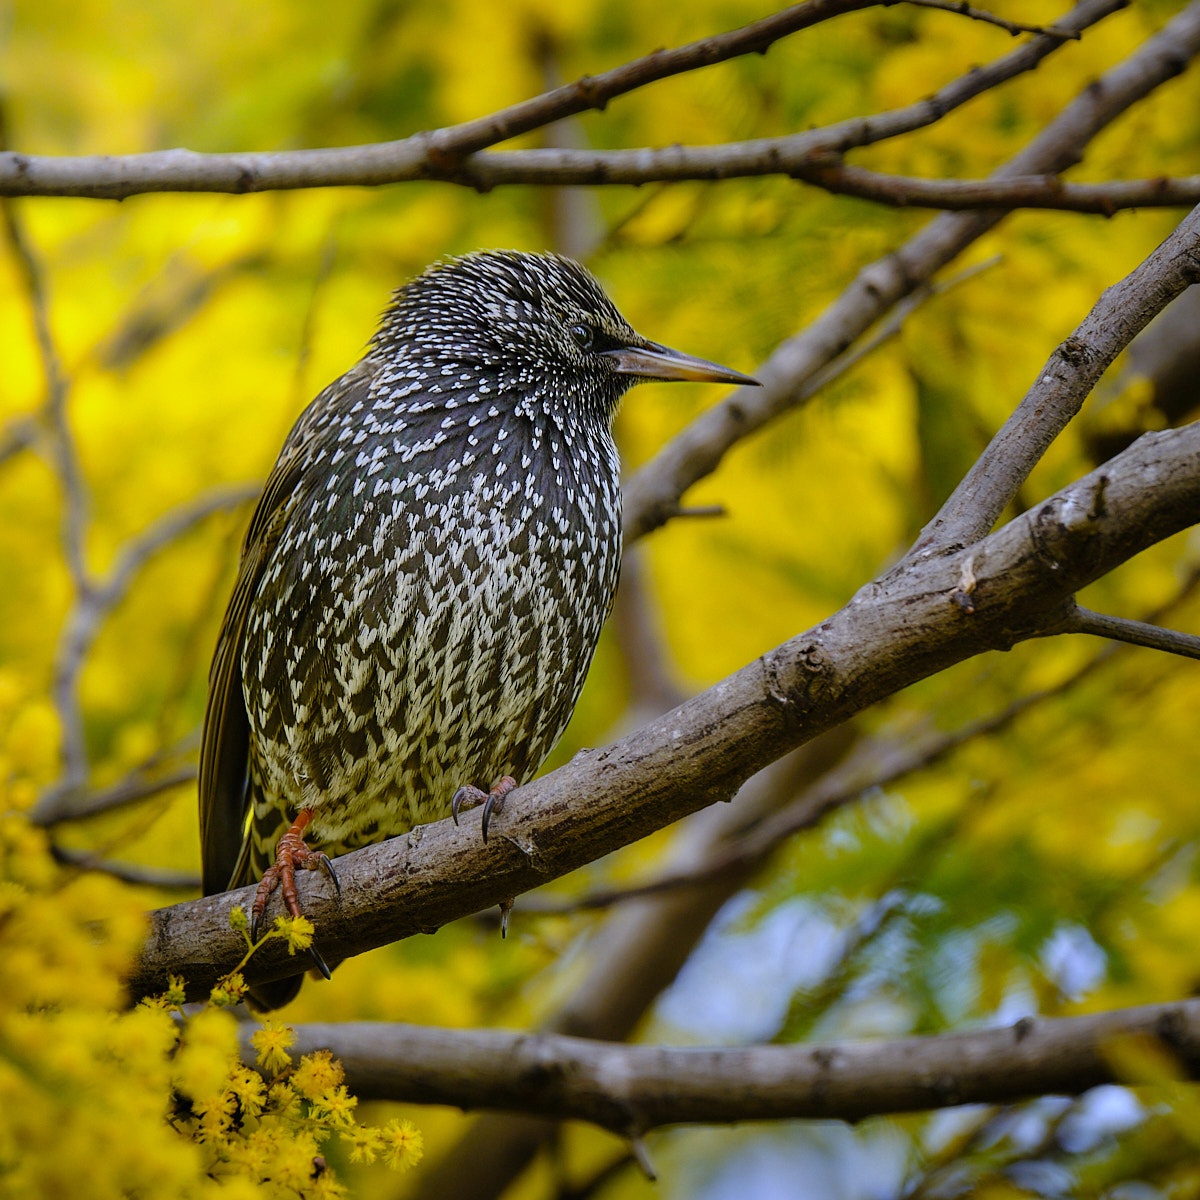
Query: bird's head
(530, 322)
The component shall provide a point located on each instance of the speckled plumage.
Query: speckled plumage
(425, 577)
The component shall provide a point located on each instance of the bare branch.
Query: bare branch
(897, 630)
(963, 9)
(58, 804)
(92, 605)
(18, 434)
(454, 154)
(653, 494)
(1063, 384)
(1033, 191)
(127, 872)
(422, 156)
(876, 763)
(1134, 633)
(794, 155)
(632, 1089)
(65, 461)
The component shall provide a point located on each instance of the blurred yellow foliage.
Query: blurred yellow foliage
(192, 329)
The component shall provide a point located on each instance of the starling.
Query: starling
(424, 579)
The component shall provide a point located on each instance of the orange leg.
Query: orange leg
(291, 854)
(492, 801)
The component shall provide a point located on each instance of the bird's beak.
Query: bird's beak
(652, 361)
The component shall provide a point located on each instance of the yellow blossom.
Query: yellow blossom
(327, 1187)
(228, 990)
(365, 1141)
(318, 1072)
(248, 1088)
(284, 1101)
(403, 1145)
(297, 930)
(335, 1106)
(208, 1049)
(271, 1043)
(176, 994)
(238, 919)
(214, 1115)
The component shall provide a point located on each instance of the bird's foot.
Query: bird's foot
(492, 801)
(292, 854)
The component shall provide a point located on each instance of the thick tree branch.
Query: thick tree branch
(652, 496)
(631, 1089)
(876, 763)
(896, 631)
(631, 958)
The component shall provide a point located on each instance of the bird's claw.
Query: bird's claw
(325, 863)
(292, 854)
(492, 801)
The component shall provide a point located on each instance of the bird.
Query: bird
(425, 576)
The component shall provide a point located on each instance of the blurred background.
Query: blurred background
(1047, 864)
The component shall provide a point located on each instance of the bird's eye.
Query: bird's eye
(584, 335)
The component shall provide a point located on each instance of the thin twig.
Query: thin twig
(57, 805)
(654, 492)
(65, 461)
(1033, 191)
(183, 881)
(1133, 633)
(962, 9)
(1060, 389)
(83, 623)
(18, 434)
(422, 156)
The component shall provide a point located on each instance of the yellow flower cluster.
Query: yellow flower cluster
(101, 1100)
(85, 1088)
(267, 1127)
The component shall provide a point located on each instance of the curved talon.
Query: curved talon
(319, 962)
(325, 863)
(492, 801)
(468, 795)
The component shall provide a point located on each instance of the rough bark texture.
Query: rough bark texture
(630, 1089)
(894, 632)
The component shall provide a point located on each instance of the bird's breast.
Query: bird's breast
(433, 607)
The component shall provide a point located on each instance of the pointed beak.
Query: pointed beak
(652, 361)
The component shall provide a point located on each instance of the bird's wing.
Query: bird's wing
(225, 743)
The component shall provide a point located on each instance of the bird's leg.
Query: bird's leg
(292, 853)
(492, 801)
